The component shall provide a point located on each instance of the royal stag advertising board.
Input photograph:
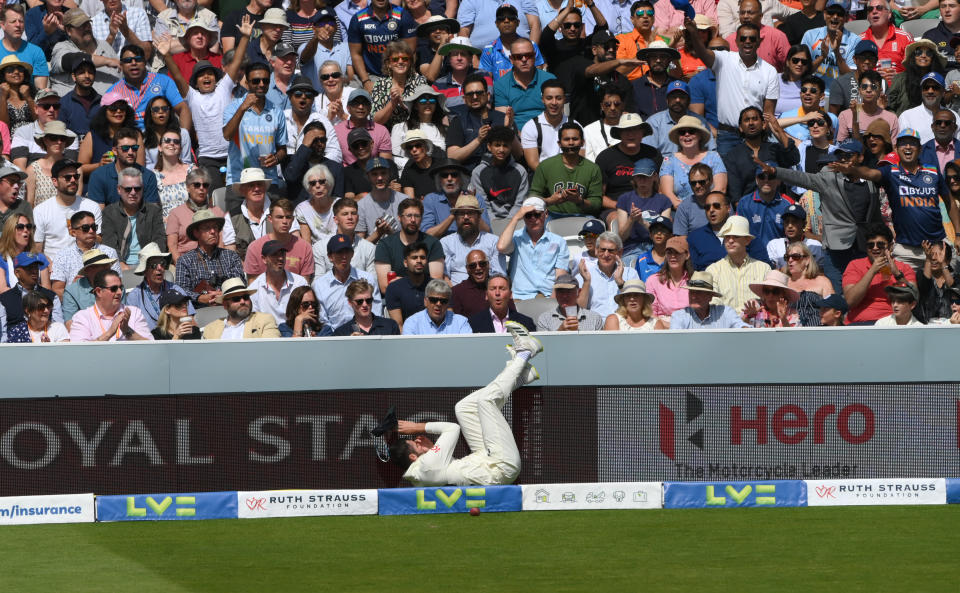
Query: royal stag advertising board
(778, 432)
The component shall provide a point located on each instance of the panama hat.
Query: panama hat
(627, 121)
(925, 43)
(203, 216)
(702, 282)
(417, 135)
(634, 287)
(252, 175)
(150, 250)
(657, 46)
(462, 43)
(231, 288)
(55, 128)
(467, 202)
(94, 257)
(736, 226)
(13, 60)
(437, 20)
(688, 122)
(775, 279)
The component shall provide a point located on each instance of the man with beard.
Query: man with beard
(920, 118)
(470, 296)
(590, 79)
(53, 216)
(469, 238)
(499, 180)
(574, 41)
(241, 322)
(754, 127)
(108, 320)
(743, 80)
(451, 180)
(598, 136)
(80, 39)
(78, 104)
(499, 311)
(650, 90)
(255, 129)
(678, 105)
(390, 251)
(616, 162)
(832, 46)
(379, 209)
(568, 183)
(471, 123)
(138, 86)
(404, 296)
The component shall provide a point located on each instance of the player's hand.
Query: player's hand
(482, 133)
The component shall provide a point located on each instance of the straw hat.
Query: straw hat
(736, 226)
(702, 282)
(55, 128)
(627, 121)
(93, 257)
(151, 250)
(775, 279)
(231, 288)
(13, 60)
(417, 135)
(926, 43)
(467, 202)
(657, 46)
(689, 122)
(634, 287)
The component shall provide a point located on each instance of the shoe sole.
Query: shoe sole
(518, 331)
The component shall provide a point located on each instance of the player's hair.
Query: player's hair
(414, 247)
(400, 453)
(501, 134)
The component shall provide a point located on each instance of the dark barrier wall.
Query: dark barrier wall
(114, 445)
(121, 445)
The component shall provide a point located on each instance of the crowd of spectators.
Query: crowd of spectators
(383, 167)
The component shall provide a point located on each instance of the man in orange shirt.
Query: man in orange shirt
(641, 14)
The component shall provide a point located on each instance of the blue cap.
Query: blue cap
(909, 134)
(592, 227)
(339, 243)
(645, 167)
(662, 221)
(934, 76)
(377, 163)
(866, 47)
(684, 6)
(826, 159)
(678, 85)
(27, 259)
(759, 169)
(795, 211)
(834, 301)
(843, 5)
(850, 146)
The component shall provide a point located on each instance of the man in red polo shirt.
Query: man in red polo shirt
(891, 41)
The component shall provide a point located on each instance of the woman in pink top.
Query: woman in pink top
(667, 284)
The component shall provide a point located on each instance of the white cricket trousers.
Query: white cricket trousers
(485, 429)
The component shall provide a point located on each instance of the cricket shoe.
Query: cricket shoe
(529, 374)
(522, 340)
(388, 426)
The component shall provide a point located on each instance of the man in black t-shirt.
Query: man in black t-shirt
(471, 122)
(586, 92)
(616, 162)
(404, 296)
(798, 23)
(254, 10)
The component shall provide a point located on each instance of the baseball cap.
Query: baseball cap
(283, 49)
(507, 10)
(28, 259)
(538, 204)
(759, 170)
(325, 14)
(8, 170)
(75, 17)
(592, 227)
(866, 47)
(645, 167)
(850, 146)
(45, 94)
(377, 163)
(301, 83)
(358, 134)
(338, 243)
(678, 85)
(834, 301)
(662, 221)
(835, 5)
(909, 135)
(73, 62)
(678, 244)
(271, 247)
(359, 94)
(602, 37)
(900, 289)
(795, 211)
(566, 281)
(61, 165)
(934, 76)
(172, 297)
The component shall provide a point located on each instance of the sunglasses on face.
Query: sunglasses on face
(316, 182)
(360, 144)
(477, 264)
(531, 215)
(713, 206)
(116, 107)
(766, 177)
(474, 94)
(400, 60)
(809, 90)
(946, 123)
(795, 256)
(877, 8)
(876, 244)
(644, 12)
(158, 264)
(572, 25)
(798, 61)
(48, 106)
(160, 109)
(522, 57)
(171, 141)
(200, 185)
(868, 86)
(427, 101)
(302, 94)
(448, 174)
(507, 19)
(333, 75)
(86, 228)
(697, 182)
(748, 39)
(259, 81)
(70, 176)
(953, 178)
(25, 226)
(131, 59)
(129, 147)
(612, 104)
(438, 300)
(769, 290)
(923, 52)
(308, 304)
(365, 301)
(237, 299)
(816, 122)
(113, 288)
(131, 189)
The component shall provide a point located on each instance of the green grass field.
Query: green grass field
(839, 549)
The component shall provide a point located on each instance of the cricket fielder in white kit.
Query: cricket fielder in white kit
(494, 457)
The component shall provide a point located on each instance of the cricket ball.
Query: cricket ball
(475, 511)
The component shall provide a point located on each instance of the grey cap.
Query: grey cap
(8, 170)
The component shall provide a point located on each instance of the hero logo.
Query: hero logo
(788, 424)
(694, 408)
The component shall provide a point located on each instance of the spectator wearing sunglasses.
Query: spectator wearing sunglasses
(539, 256)
(301, 113)
(728, 16)
(773, 45)
(69, 261)
(920, 118)
(484, 22)
(274, 287)
(13, 43)
(797, 122)
(854, 121)
(335, 309)
(198, 196)
(51, 217)
(944, 147)
(148, 295)
(138, 86)
(26, 268)
(104, 181)
(906, 91)
(891, 41)
(256, 130)
(38, 324)
(11, 187)
(132, 223)
(241, 322)
(324, 46)
(108, 320)
(832, 46)
(364, 323)
(495, 57)
(436, 318)
(25, 146)
(302, 320)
